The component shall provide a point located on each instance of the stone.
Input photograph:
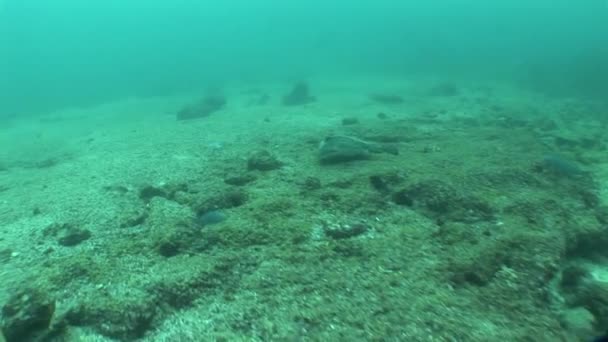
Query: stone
(340, 149)
(27, 316)
(203, 108)
(299, 95)
(263, 161)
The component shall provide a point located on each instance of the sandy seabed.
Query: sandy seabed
(486, 226)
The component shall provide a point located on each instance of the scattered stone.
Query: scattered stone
(349, 121)
(229, 199)
(240, 180)
(341, 149)
(74, 236)
(203, 108)
(168, 191)
(148, 192)
(443, 202)
(387, 99)
(135, 218)
(27, 316)
(263, 161)
(299, 95)
(69, 235)
(345, 231)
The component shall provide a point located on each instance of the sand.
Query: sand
(269, 271)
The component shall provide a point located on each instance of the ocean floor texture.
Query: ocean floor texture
(368, 209)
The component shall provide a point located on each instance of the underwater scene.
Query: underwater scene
(264, 170)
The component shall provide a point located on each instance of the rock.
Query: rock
(74, 236)
(68, 234)
(442, 201)
(382, 116)
(341, 149)
(349, 121)
(263, 161)
(230, 199)
(240, 180)
(299, 95)
(345, 231)
(203, 108)
(27, 316)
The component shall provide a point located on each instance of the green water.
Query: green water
(303, 170)
(61, 53)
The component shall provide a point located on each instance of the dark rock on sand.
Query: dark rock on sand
(27, 316)
(240, 180)
(349, 121)
(203, 108)
(345, 231)
(263, 161)
(299, 95)
(74, 236)
(443, 202)
(341, 149)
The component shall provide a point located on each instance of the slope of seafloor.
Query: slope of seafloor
(489, 224)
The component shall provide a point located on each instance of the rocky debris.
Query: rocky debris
(345, 231)
(299, 95)
(387, 99)
(67, 234)
(168, 191)
(134, 217)
(27, 316)
(229, 199)
(240, 180)
(263, 161)
(74, 237)
(203, 108)
(340, 149)
(125, 318)
(385, 182)
(443, 202)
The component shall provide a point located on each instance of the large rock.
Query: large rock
(203, 108)
(341, 149)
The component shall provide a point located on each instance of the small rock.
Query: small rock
(349, 121)
(240, 180)
(341, 149)
(299, 95)
(203, 108)
(345, 231)
(263, 161)
(27, 316)
(74, 237)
